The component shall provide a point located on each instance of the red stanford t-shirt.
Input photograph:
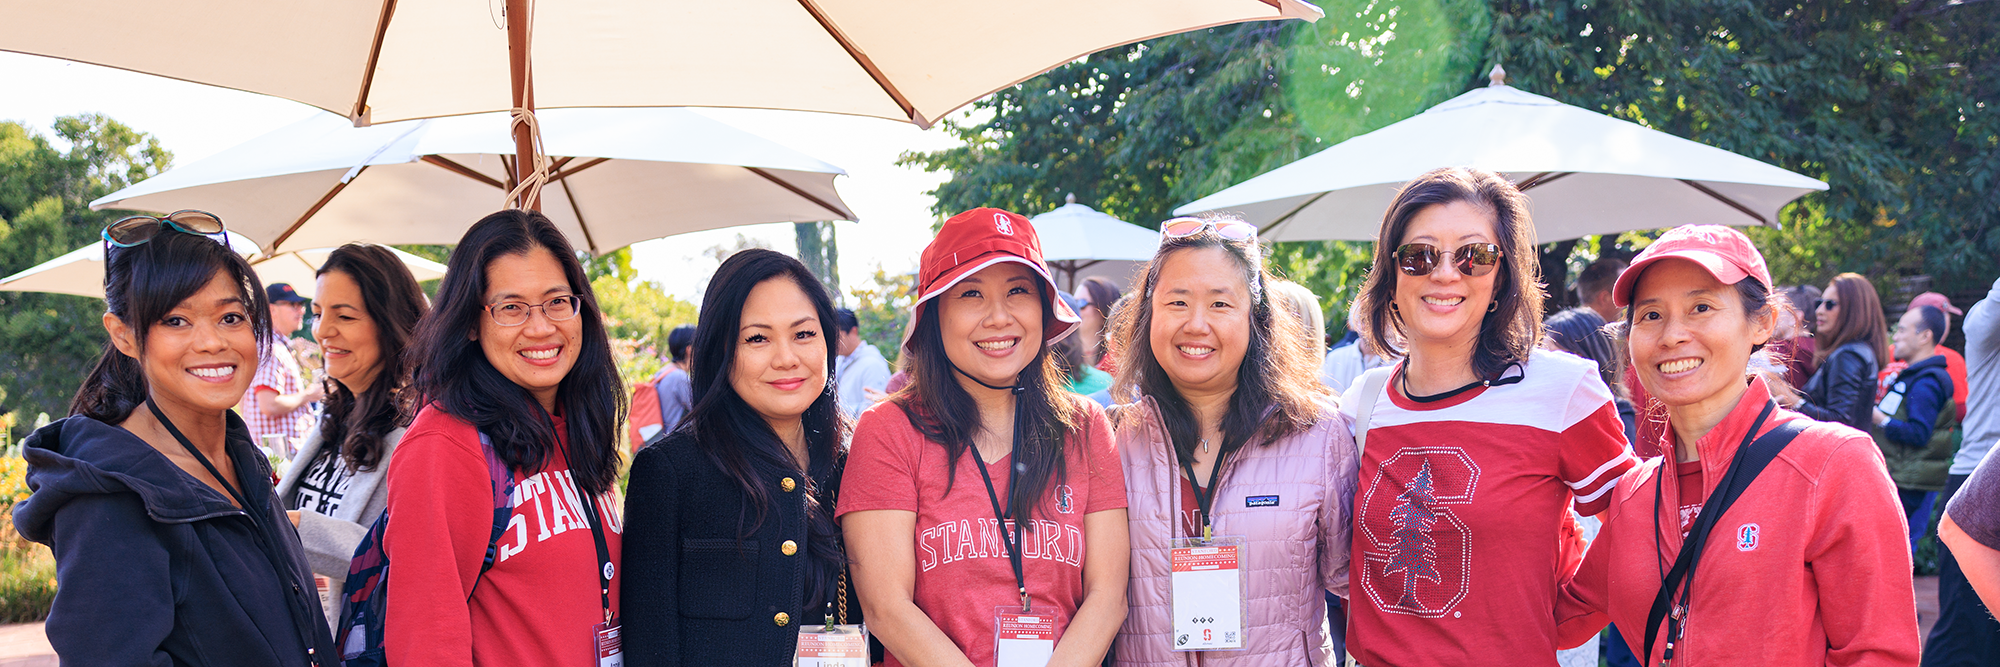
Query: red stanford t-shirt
(962, 567)
(1460, 508)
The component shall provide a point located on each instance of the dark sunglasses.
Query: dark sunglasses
(1472, 259)
(138, 229)
(1828, 304)
(1233, 230)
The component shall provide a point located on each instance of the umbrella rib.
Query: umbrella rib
(866, 63)
(360, 113)
(569, 190)
(1726, 200)
(447, 164)
(802, 193)
(1287, 217)
(560, 174)
(1542, 179)
(337, 187)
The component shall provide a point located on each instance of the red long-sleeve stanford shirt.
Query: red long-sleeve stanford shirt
(536, 606)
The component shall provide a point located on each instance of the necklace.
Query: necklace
(1204, 445)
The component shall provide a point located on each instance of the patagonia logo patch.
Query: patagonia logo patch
(1260, 501)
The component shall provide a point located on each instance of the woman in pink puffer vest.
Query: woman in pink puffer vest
(1224, 375)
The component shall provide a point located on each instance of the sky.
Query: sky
(196, 121)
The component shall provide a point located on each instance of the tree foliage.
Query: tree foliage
(47, 341)
(1892, 103)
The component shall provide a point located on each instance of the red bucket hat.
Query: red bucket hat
(1724, 252)
(971, 241)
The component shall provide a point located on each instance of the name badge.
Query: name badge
(1892, 402)
(1208, 593)
(610, 648)
(1022, 639)
(832, 646)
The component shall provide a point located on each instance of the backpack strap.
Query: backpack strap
(502, 479)
(1749, 461)
(1371, 390)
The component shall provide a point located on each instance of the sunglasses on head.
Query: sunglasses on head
(1828, 304)
(1231, 230)
(1472, 259)
(138, 229)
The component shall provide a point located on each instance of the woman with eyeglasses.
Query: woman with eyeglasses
(1475, 444)
(1232, 443)
(1763, 537)
(365, 315)
(503, 529)
(1852, 344)
(170, 547)
(984, 497)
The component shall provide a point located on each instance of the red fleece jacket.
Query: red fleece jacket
(1810, 567)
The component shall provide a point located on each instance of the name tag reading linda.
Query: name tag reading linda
(1208, 593)
(1022, 639)
(832, 646)
(610, 648)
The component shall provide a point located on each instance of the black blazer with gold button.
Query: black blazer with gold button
(705, 583)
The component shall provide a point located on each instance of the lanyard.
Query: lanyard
(1697, 538)
(263, 536)
(1204, 496)
(1013, 543)
(605, 569)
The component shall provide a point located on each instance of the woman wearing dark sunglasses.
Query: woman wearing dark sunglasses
(169, 545)
(1475, 443)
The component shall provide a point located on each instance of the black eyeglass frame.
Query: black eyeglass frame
(576, 308)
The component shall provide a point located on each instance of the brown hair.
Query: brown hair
(1277, 384)
(1860, 319)
(1509, 332)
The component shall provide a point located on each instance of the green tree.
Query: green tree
(819, 249)
(48, 341)
(883, 309)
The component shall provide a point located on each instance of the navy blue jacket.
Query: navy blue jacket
(153, 567)
(1927, 394)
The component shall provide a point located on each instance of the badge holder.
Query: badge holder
(1022, 638)
(1208, 593)
(832, 645)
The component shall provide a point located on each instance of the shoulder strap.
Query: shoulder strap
(1371, 388)
(1743, 469)
(502, 479)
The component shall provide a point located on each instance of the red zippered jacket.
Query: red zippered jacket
(1810, 567)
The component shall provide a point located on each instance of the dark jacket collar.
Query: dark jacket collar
(80, 456)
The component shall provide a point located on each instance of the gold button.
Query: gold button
(789, 547)
(787, 484)
(782, 619)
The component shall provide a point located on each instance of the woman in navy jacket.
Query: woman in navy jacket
(170, 547)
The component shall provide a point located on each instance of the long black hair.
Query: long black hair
(141, 285)
(1277, 385)
(1580, 331)
(732, 434)
(1045, 412)
(356, 424)
(452, 369)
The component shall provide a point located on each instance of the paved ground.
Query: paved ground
(24, 645)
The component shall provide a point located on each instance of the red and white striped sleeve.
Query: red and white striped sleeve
(1594, 451)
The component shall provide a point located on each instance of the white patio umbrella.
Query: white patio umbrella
(390, 60)
(620, 176)
(81, 271)
(1077, 237)
(1585, 173)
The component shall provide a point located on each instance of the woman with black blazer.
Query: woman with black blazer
(730, 545)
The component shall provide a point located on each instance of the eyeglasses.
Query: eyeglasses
(515, 313)
(1232, 230)
(138, 229)
(1472, 259)
(1828, 304)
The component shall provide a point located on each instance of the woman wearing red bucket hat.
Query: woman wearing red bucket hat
(984, 506)
(1696, 564)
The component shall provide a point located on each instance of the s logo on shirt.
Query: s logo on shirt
(1746, 537)
(1417, 552)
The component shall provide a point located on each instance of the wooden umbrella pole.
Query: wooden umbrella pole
(524, 93)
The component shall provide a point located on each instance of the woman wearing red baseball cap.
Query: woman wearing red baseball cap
(1696, 564)
(983, 505)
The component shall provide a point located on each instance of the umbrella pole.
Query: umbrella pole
(524, 94)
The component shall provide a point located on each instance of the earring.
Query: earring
(1492, 306)
(1393, 308)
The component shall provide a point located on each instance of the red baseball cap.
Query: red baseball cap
(1940, 301)
(971, 241)
(1724, 252)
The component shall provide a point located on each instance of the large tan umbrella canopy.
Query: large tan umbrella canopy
(81, 271)
(389, 60)
(620, 176)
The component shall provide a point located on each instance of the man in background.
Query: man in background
(280, 400)
(860, 367)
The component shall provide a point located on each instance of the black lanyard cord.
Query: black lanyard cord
(1676, 615)
(1204, 496)
(299, 622)
(604, 566)
(1013, 542)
